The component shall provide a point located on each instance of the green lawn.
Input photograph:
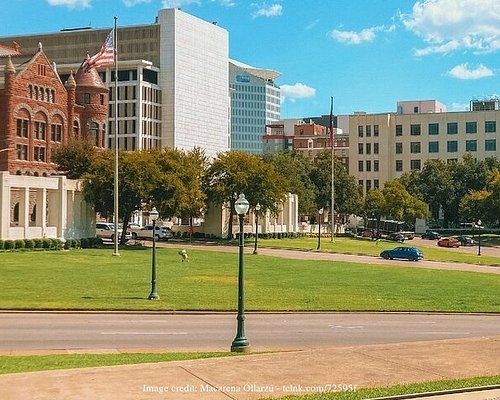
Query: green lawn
(16, 364)
(370, 247)
(398, 390)
(93, 279)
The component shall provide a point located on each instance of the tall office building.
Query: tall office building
(255, 103)
(172, 79)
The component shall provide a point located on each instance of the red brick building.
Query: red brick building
(38, 112)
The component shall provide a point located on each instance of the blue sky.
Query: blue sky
(368, 54)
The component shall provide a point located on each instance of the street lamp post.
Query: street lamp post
(240, 342)
(320, 212)
(154, 293)
(479, 223)
(257, 209)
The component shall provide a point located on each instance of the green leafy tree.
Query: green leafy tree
(374, 205)
(237, 172)
(75, 158)
(401, 205)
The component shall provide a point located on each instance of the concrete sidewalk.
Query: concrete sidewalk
(265, 375)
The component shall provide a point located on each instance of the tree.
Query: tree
(237, 172)
(294, 169)
(138, 175)
(348, 199)
(75, 158)
(400, 205)
(374, 205)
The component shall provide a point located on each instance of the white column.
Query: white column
(4, 205)
(41, 203)
(62, 212)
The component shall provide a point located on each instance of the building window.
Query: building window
(471, 145)
(368, 166)
(360, 130)
(56, 132)
(22, 152)
(399, 130)
(399, 165)
(368, 148)
(433, 147)
(101, 98)
(375, 148)
(86, 98)
(452, 146)
(375, 165)
(490, 126)
(39, 130)
(360, 148)
(376, 183)
(490, 145)
(415, 129)
(368, 185)
(434, 129)
(22, 128)
(39, 154)
(415, 147)
(368, 130)
(452, 128)
(360, 166)
(360, 182)
(471, 127)
(399, 148)
(375, 130)
(415, 165)
(415, 109)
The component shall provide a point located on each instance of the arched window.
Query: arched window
(94, 133)
(47, 95)
(53, 95)
(30, 90)
(36, 92)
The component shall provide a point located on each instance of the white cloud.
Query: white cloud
(225, 3)
(297, 91)
(70, 3)
(265, 10)
(463, 71)
(179, 3)
(365, 35)
(448, 25)
(460, 107)
(312, 25)
(131, 3)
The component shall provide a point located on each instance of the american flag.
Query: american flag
(104, 57)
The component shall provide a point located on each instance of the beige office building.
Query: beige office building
(384, 146)
(173, 79)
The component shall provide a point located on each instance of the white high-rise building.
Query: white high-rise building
(173, 79)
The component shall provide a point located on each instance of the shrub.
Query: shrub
(19, 243)
(55, 243)
(9, 244)
(29, 244)
(1, 244)
(37, 243)
(46, 243)
(85, 243)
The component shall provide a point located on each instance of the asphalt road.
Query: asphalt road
(39, 332)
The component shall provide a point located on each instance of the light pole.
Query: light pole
(320, 212)
(257, 209)
(479, 223)
(240, 342)
(154, 293)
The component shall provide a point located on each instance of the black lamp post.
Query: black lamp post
(257, 209)
(240, 342)
(479, 223)
(320, 212)
(154, 293)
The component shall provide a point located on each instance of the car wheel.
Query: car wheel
(157, 237)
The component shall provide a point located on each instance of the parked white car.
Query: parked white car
(106, 230)
(146, 232)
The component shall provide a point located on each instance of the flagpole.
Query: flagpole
(115, 192)
(332, 145)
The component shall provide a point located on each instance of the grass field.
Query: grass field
(347, 245)
(95, 280)
(16, 364)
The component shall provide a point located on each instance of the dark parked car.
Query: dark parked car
(396, 237)
(431, 235)
(403, 253)
(466, 240)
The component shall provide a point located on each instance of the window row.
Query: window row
(451, 146)
(41, 93)
(368, 182)
(366, 148)
(366, 166)
(367, 130)
(22, 153)
(452, 128)
(39, 130)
